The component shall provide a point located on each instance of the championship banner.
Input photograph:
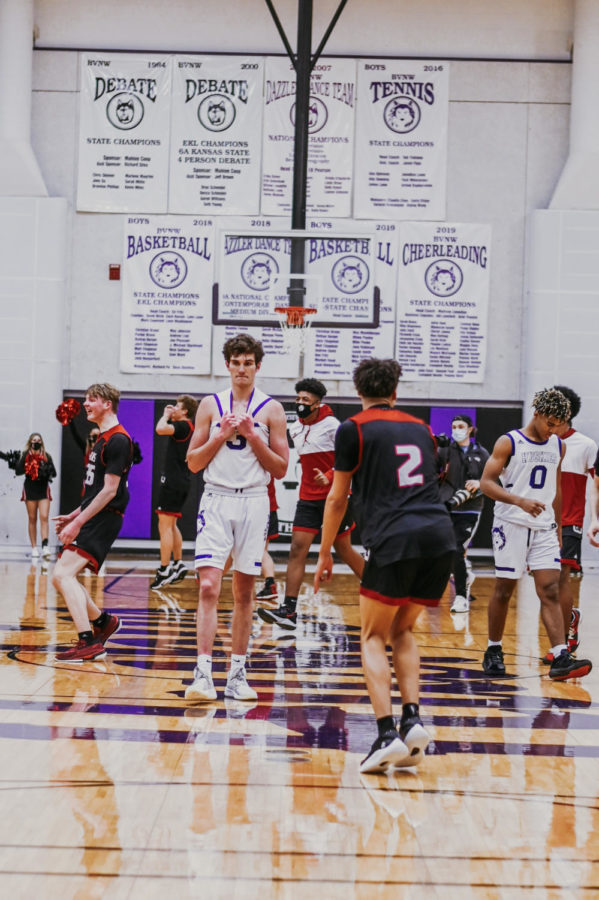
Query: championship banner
(443, 295)
(401, 139)
(124, 125)
(167, 295)
(216, 135)
(331, 137)
(334, 353)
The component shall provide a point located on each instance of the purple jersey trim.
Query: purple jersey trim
(259, 407)
(220, 409)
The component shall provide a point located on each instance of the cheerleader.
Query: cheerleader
(37, 467)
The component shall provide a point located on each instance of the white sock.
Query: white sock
(205, 663)
(494, 644)
(238, 661)
(558, 649)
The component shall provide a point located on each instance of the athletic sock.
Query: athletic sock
(558, 649)
(238, 661)
(409, 711)
(290, 603)
(494, 644)
(87, 636)
(385, 724)
(204, 662)
(101, 620)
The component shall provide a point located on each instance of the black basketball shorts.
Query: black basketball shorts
(171, 500)
(309, 515)
(421, 580)
(571, 546)
(97, 537)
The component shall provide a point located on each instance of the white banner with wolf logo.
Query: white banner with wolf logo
(335, 352)
(443, 295)
(166, 314)
(124, 133)
(401, 139)
(216, 135)
(331, 137)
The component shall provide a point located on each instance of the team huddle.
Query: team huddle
(417, 506)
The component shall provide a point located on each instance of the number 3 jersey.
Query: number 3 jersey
(393, 460)
(531, 472)
(235, 465)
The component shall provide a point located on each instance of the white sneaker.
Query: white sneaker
(46, 552)
(237, 687)
(470, 579)
(34, 553)
(460, 604)
(202, 686)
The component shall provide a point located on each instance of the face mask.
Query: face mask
(35, 445)
(303, 410)
(459, 434)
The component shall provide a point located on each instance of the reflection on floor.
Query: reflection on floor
(119, 789)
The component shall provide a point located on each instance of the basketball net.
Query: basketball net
(295, 322)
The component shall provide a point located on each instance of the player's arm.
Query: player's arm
(163, 426)
(68, 532)
(203, 446)
(334, 510)
(593, 529)
(274, 456)
(557, 500)
(491, 486)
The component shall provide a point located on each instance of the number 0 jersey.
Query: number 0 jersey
(395, 484)
(531, 472)
(235, 465)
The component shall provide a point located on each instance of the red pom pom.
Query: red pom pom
(67, 410)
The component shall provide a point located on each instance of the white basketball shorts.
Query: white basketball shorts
(232, 523)
(516, 548)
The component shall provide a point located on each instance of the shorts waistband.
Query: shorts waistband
(256, 491)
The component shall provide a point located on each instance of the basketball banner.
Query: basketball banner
(216, 135)
(401, 139)
(167, 295)
(331, 136)
(123, 133)
(443, 295)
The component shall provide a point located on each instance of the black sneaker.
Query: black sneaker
(416, 739)
(162, 577)
(283, 616)
(268, 592)
(493, 661)
(566, 666)
(388, 750)
(180, 572)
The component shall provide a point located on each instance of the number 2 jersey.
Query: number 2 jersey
(531, 472)
(393, 460)
(112, 454)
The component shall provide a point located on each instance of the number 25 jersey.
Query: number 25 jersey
(531, 472)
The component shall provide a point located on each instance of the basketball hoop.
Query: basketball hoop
(295, 322)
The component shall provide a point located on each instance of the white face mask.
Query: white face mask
(459, 434)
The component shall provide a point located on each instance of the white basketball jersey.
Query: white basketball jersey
(531, 472)
(235, 465)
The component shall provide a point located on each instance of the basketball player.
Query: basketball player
(89, 532)
(314, 437)
(390, 459)
(239, 440)
(578, 466)
(523, 476)
(176, 424)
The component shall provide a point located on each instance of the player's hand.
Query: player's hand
(68, 533)
(245, 426)
(472, 485)
(320, 478)
(168, 410)
(228, 425)
(593, 533)
(324, 570)
(61, 521)
(533, 507)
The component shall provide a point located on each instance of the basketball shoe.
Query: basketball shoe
(269, 590)
(493, 664)
(573, 641)
(416, 739)
(388, 750)
(202, 686)
(105, 631)
(237, 687)
(284, 616)
(460, 604)
(164, 575)
(81, 651)
(567, 666)
(180, 571)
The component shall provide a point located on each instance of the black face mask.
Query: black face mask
(35, 445)
(303, 410)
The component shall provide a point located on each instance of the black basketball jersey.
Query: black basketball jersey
(176, 474)
(112, 454)
(395, 484)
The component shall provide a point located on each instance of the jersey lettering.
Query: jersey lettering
(406, 472)
(537, 477)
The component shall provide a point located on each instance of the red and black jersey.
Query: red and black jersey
(393, 459)
(112, 454)
(176, 474)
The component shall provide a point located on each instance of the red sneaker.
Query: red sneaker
(111, 626)
(573, 631)
(80, 651)
(548, 658)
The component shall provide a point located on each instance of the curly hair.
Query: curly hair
(376, 377)
(311, 386)
(243, 344)
(551, 402)
(572, 396)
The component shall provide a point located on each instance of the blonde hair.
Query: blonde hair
(28, 444)
(105, 391)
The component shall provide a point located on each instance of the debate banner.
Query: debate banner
(401, 139)
(168, 266)
(443, 295)
(216, 135)
(331, 137)
(124, 123)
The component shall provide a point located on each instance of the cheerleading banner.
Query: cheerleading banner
(216, 135)
(124, 123)
(334, 353)
(401, 139)
(443, 294)
(167, 295)
(331, 137)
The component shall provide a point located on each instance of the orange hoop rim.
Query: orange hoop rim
(295, 314)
